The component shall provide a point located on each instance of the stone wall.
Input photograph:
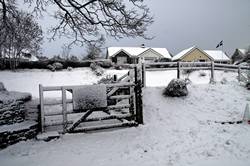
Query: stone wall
(15, 125)
(10, 134)
(12, 112)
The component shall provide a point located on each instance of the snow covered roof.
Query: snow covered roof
(217, 55)
(137, 51)
(243, 51)
(31, 58)
(183, 53)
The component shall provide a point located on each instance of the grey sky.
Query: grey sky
(180, 24)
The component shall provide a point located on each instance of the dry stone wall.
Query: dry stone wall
(14, 124)
(12, 112)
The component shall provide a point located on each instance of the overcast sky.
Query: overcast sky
(180, 24)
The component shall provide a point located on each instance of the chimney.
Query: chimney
(143, 46)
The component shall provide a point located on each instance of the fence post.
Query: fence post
(239, 73)
(64, 109)
(115, 78)
(131, 92)
(41, 107)
(143, 75)
(138, 98)
(212, 72)
(178, 70)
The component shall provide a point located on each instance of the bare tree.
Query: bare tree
(66, 49)
(87, 21)
(93, 52)
(21, 33)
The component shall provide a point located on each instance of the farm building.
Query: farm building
(131, 55)
(198, 55)
(192, 54)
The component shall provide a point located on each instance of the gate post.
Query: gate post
(64, 109)
(178, 70)
(212, 72)
(138, 98)
(115, 78)
(41, 100)
(239, 73)
(143, 75)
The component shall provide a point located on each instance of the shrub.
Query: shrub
(44, 64)
(176, 88)
(34, 64)
(104, 63)
(58, 66)
(69, 68)
(97, 69)
(51, 67)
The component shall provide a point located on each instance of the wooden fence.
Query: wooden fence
(124, 98)
(161, 66)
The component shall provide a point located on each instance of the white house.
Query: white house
(218, 56)
(131, 55)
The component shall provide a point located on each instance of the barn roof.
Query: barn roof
(217, 55)
(137, 51)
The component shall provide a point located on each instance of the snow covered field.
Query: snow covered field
(29, 80)
(177, 131)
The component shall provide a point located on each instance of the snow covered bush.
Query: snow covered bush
(69, 68)
(58, 66)
(55, 66)
(176, 88)
(51, 68)
(97, 69)
(104, 63)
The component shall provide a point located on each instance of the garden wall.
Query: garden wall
(12, 112)
(14, 125)
(10, 134)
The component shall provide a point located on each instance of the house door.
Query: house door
(121, 60)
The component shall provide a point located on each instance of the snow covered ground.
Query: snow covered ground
(177, 131)
(29, 80)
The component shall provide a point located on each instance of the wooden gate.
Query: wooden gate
(124, 107)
